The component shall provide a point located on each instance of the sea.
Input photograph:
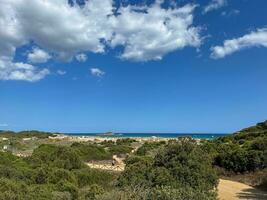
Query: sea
(161, 135)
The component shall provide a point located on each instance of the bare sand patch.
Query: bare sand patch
(232, 190)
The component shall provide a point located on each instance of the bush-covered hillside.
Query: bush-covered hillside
(241, 153)
(52, 172)
(248, 134)
(26, 134)
(178, 169)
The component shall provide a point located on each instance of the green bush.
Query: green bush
(120, 149)
(180, 166)
(65, 186)
(90, 152)
(91, 192)
(58, 156)
(57, 174)
(87, 176)
(125, 141)
(148, 147)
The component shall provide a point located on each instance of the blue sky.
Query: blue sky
(173, 66)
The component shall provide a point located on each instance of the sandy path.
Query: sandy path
(231, 190)
(118, 168)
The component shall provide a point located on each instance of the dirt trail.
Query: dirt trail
(118, 168)
(231, 190)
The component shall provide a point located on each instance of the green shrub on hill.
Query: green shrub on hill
(178, 167)
(56, 156)
(52, 172)
(148, 147)
(89, 152)
(26, 134)
(120, 149)
(244, 151)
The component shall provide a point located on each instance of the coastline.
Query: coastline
(140, 137)
(101, 138)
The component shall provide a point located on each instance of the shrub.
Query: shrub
(89, 152)
(148, 146)
(90, 193)
(58, 156)
(87, 176)
(120, 149)
(65, 186)
(181, 166)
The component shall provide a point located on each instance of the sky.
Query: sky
(184, 66)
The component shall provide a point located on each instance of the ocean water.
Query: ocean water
(163, 135)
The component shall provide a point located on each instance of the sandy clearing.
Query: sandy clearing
(118, 168)
(231, 190)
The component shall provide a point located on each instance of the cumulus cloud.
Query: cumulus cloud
(61, 72)
(38, 56)
(12, 36)
(150, 32)
(20, 71)
(214, 5)
(253, 39)
(11, 30)
(97, 72)
(81, 57)
(144, 32)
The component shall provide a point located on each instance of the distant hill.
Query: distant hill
(244, 153)
(258, 128)
(25, 134)
(248, 134)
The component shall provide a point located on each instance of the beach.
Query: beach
(99, 139)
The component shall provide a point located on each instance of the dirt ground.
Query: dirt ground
(118, 168)
(231, 190)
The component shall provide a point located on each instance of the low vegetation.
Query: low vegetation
(26, 134)
(244, 152)
(89, 152)
(178, 169)
(52, 172)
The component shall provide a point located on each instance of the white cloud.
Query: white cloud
(61, 72)
(81, 57)
(58, 27)
(97, 72)
(38, 56)
(253, 39)
(230, 13)
(148, 33)
(11, 30)
(20, 71)
(3, 125)
(214, 5)
(144, 32)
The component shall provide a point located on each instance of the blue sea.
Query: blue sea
(162, 135)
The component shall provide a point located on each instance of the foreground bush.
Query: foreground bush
(242, 152)
(177, 170)
(52, 172)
